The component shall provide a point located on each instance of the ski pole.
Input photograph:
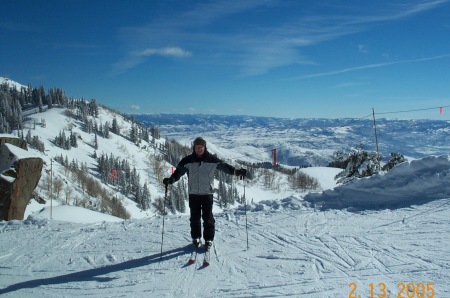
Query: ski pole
(164, 213)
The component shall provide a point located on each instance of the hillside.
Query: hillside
(11, 83)
(51, 123)
(98, 159)
(147, 158)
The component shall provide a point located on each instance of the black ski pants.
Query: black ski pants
(201, 208)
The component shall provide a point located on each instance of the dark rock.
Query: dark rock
(19, 175)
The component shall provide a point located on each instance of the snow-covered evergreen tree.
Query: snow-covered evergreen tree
(360, 163)
(115, 126)
(146, 198)
(396, 159)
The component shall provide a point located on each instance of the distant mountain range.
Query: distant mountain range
(302, 142)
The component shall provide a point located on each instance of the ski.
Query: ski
(205, 261)
(193, 256)
(203, 266)
(207, 258)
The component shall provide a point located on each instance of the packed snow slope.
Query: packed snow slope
(295, 248)
(415, 182)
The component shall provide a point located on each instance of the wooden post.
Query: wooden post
(51, 188)
(376, 139)
(274, 154)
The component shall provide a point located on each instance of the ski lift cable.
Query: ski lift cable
(415, 110)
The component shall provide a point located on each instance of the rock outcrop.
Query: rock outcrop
(14, 141)
(19, 175)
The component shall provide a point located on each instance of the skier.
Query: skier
(200, 167)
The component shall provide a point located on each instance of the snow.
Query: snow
(6, 161)
(415, 182)
(294, 249)
(11, 83)
(387, 229)
(19, 152)
(75, 214)
(56, 121)
(324, 174)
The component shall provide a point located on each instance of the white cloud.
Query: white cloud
(167, 52)
(363, 67)
(255, 45)
(138, 57)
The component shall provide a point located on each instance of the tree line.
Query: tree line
(118, 172)
(13, 101)
(95, 196)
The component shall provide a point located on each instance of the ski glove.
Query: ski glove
(241, 172)
(167, 181)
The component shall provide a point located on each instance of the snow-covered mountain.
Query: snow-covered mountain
(11, 83)
(382, 236)
(307, 142)
(73, 191)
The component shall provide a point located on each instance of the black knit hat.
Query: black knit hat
(199, 141)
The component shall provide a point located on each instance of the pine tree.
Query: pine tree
(154, 131)
(93, 108)
(95, 141)
(28, 137)
(360, 163)
(115, 126)
(146, 199)
(73, 140)
(138, 197)
(178, 194)
(106, 130)
(37, 144)
(49, 101)
(41, 94)
(134, 134)
(396, 159)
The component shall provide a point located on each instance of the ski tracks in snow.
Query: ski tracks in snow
(322, 248)
(291, 253)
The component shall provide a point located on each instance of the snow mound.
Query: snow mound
(411, 183)
(73, 214)
(289, 203)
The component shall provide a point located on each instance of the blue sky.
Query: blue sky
(294, 59)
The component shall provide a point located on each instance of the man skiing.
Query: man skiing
(200, 167)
